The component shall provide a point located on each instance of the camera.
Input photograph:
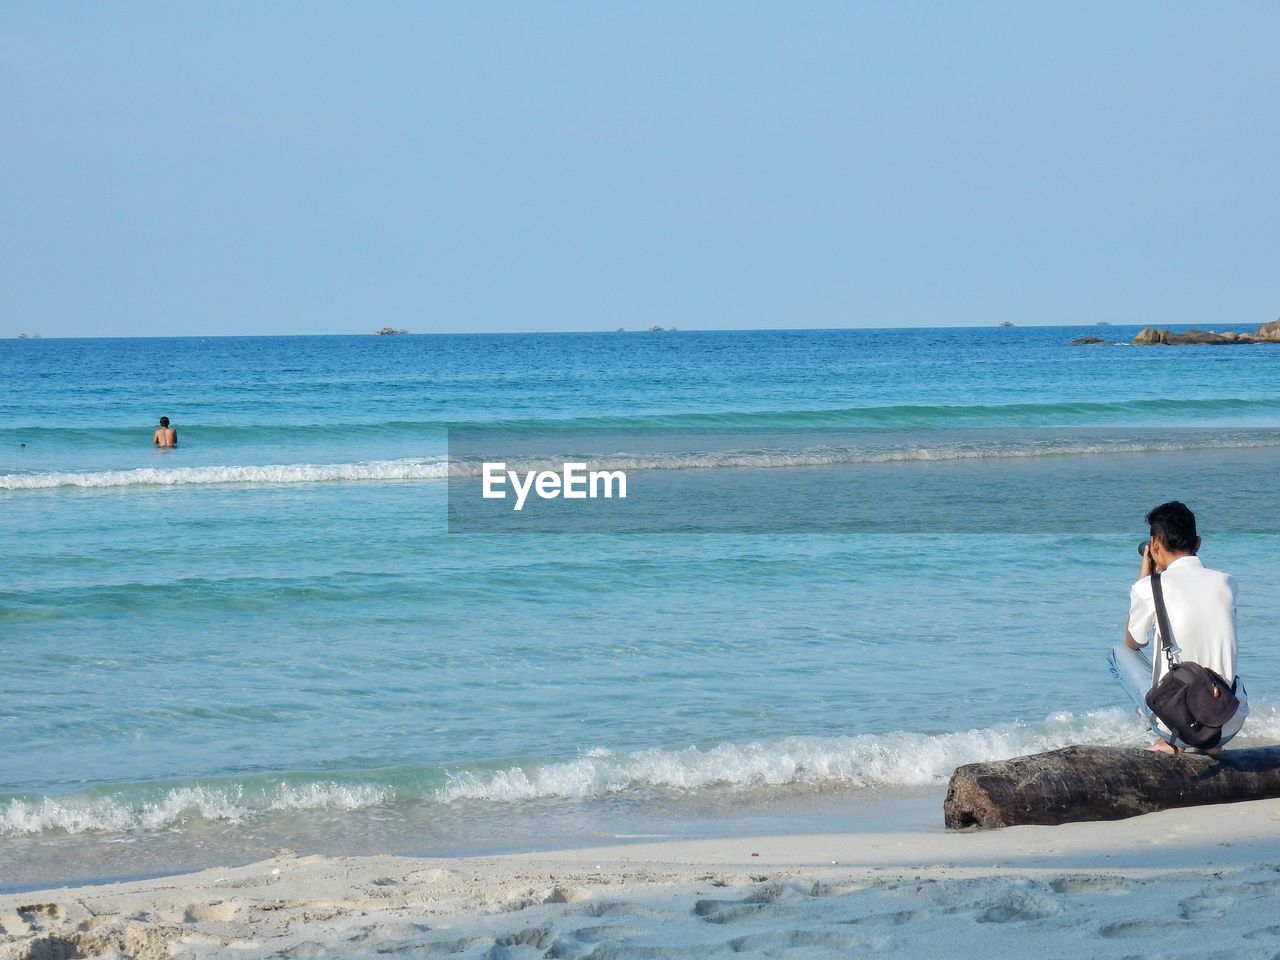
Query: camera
(1142, 548)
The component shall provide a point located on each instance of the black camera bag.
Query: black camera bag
(1192, 701)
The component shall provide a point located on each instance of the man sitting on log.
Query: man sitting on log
(1201, 605)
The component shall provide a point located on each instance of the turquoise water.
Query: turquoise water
(270, 636)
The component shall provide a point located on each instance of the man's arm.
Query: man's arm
(1145, 569)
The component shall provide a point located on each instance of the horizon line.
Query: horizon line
(614, 332)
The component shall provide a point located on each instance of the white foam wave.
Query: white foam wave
(77, 814)
(432, 468)
(870, 452)
(1263, 725)
(898, 759)
(817, 456)
(413, 468)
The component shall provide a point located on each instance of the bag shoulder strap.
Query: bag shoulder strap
(1162, 618)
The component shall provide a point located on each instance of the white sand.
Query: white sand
(1188, 883)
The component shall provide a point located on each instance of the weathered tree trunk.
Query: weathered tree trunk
(1103, 783)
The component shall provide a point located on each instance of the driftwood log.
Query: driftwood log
(1103, 783)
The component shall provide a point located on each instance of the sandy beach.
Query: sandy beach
(1186, 883)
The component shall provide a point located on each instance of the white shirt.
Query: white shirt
(1201, 604)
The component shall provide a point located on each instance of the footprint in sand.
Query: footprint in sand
(444, 948)
(1124, 929)
(894, 919)
(220, 911)
(1205, 907)
(539, 938)
(806, 939)
(627, 951)
(52, 948)
(566, 895)
(1091, 884)
(388, 937)
(1016, 905)
(727, 911)
(602, 933)
(40, 913)
(999, 900)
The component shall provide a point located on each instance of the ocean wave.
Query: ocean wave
(901, 759)
(873, 449)
(871, 760)
(897, 759)
(177, 805)
(1002, 447)
(412, 468)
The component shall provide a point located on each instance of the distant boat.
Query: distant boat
(391, 332)
(657, 329)
(1102, 323)
(1007, 323)
(28, 336)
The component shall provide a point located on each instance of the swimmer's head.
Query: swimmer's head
(164, 421)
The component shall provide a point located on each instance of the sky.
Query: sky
(206, 169)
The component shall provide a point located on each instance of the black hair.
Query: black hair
(164, 421)
(1174, 525)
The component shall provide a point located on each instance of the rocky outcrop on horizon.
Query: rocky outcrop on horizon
(1156, 336)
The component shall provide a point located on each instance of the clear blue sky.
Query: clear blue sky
(223, 168)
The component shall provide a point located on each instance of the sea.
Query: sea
(848, 561)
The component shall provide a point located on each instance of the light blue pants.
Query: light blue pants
(1132, 670)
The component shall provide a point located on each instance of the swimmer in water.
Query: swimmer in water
(166, 436)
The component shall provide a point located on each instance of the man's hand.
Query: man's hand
(1145, 569)
(1148, 565)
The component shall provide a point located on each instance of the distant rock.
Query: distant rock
(1268, 332)
(1206, 337)
(1087, 341)
(1158, 336)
